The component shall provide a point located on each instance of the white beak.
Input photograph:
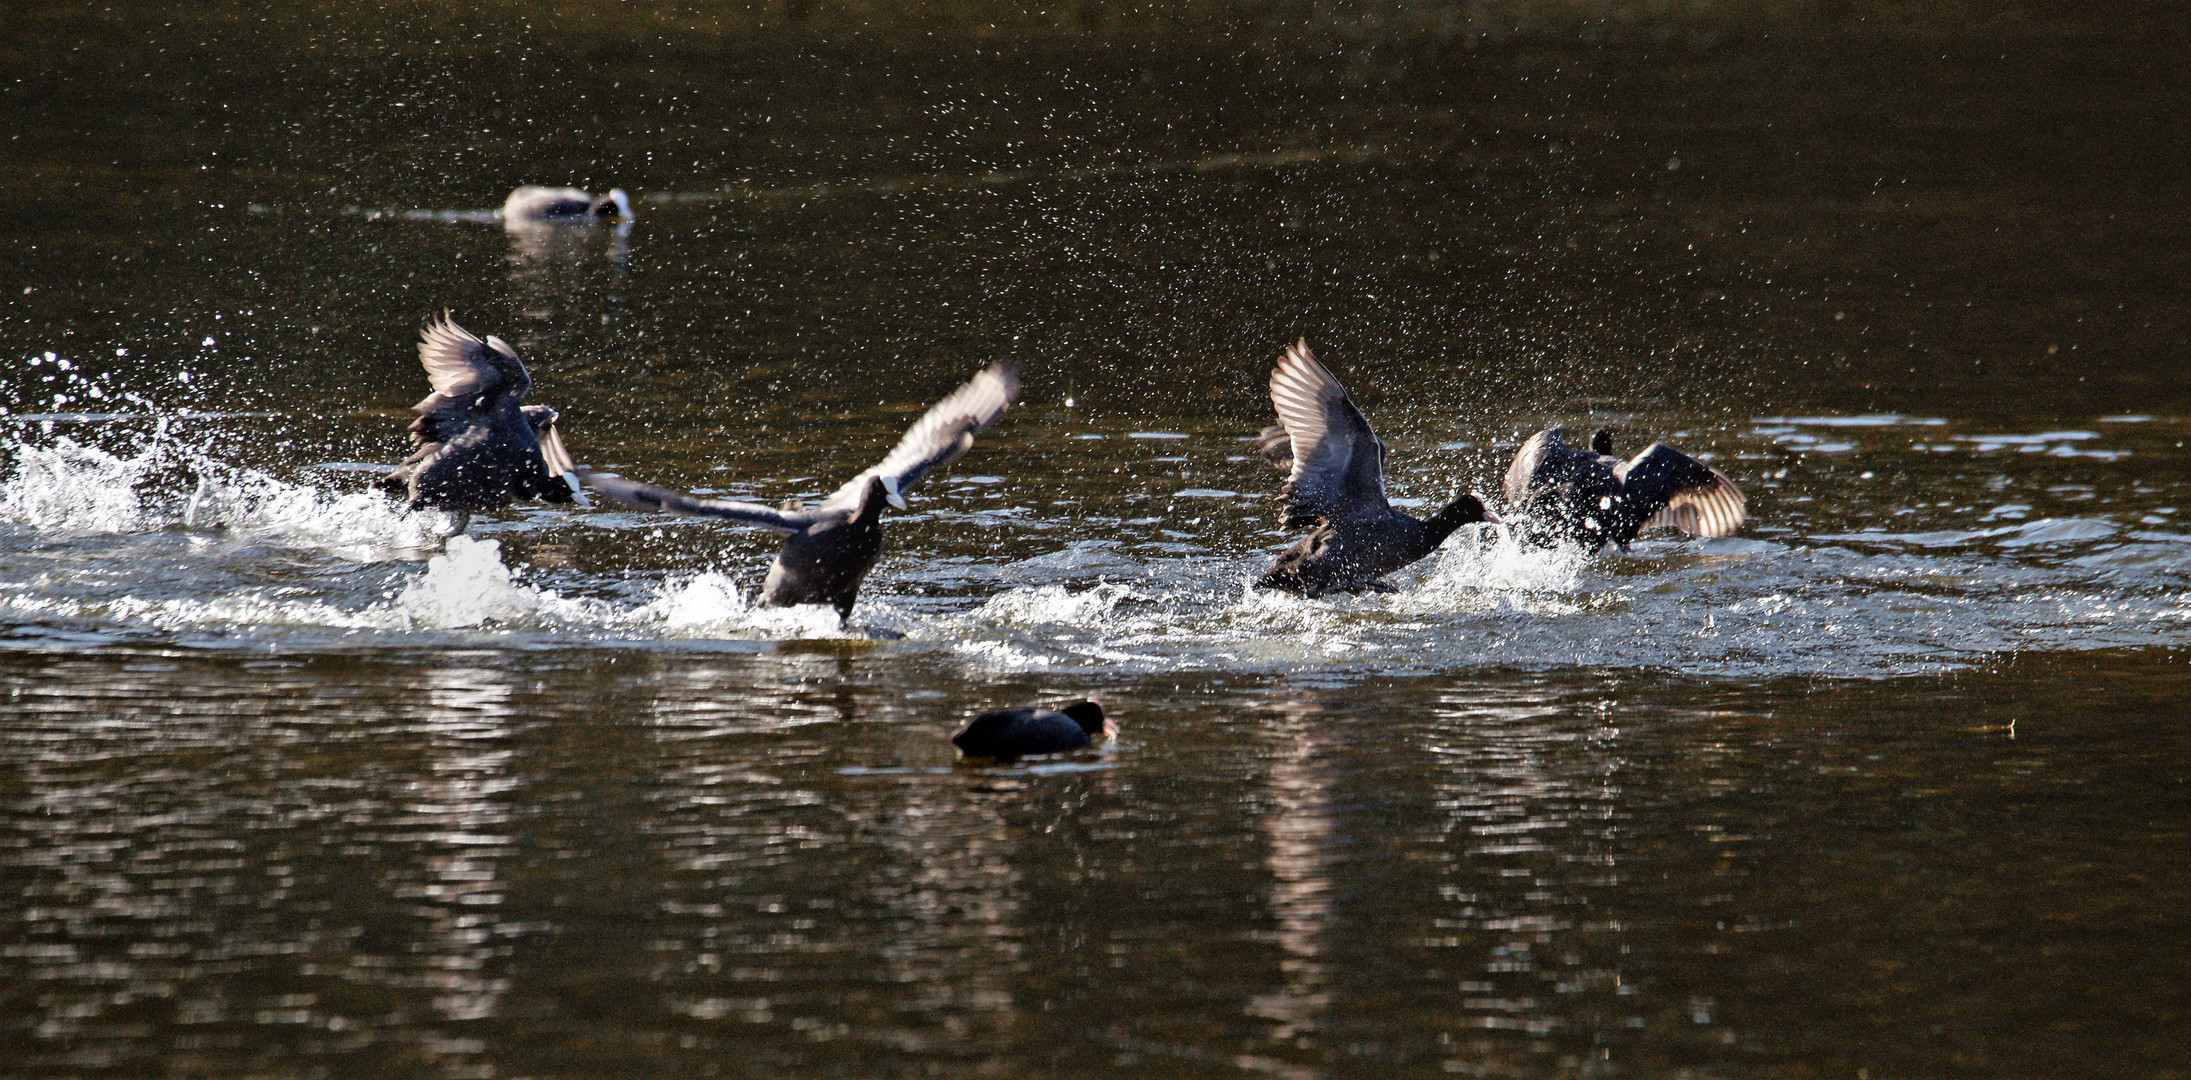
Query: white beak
(890, 492)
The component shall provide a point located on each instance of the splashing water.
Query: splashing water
(468, 585)
(70, 489)
(711, 605)
(1490, 573)
(161, 536)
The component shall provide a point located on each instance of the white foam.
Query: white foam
(711, 605)
(247, 610)
(69, 489)
(362, 526)
(467, 585)
(1476, 574)
(1001, 656)
(1054, 605)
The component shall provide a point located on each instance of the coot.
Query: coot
(536, 205)
(1336, 485)
(1009, 734)
(829, 548)
(1589, 497)
(479, 446)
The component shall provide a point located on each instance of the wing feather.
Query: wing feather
(552, 451)
(1717, 509)
(468, 375)
(648, 497)
(456, 362)
(1276, 448)
(1699, 500)
(941, 436)
(1528, 460)
(1338, 462)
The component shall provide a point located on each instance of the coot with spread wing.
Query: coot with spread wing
(479, 446)
(1591, 498)
(1335, 483)
(829, 548)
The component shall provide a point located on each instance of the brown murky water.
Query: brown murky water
(1890, 785)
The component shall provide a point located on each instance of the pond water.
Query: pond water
(293, 783)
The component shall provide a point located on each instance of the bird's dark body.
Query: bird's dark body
(1006, 734)
(568, 209)
(1589, 498)
(477, 445)
(1350, 559)
(1573, 498)
(826, 566)
(480, 465)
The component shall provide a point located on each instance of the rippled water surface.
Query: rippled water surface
(296, 783)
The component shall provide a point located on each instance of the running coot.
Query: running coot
(479, 446)
(1335, 484)
(1589, 497)
(829, 548)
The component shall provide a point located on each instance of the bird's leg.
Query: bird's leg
(1377, 585)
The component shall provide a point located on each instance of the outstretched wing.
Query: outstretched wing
(542, 420)
(1338, 463)
(942, 434)
(1699, 500)
(466, 374)
(1528, 460)
(648, 497)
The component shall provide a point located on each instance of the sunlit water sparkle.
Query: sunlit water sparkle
(157, 536)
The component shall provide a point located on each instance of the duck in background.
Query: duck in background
(536, 205)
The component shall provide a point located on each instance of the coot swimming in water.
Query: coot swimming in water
(1336, 483)
(1010, 734)
(1589, 497)
(479, 446)
(829, 548)
(536, 205)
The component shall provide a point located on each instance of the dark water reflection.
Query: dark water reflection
(1890, 785)
(471, 863)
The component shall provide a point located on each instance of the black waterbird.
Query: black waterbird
(1335, 484)
(479, 446)
(1010, 734)
(829, 548)
(1589, 497)
(536, 205)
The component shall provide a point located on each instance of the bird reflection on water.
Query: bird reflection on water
(1301, 832)
(457, 820)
